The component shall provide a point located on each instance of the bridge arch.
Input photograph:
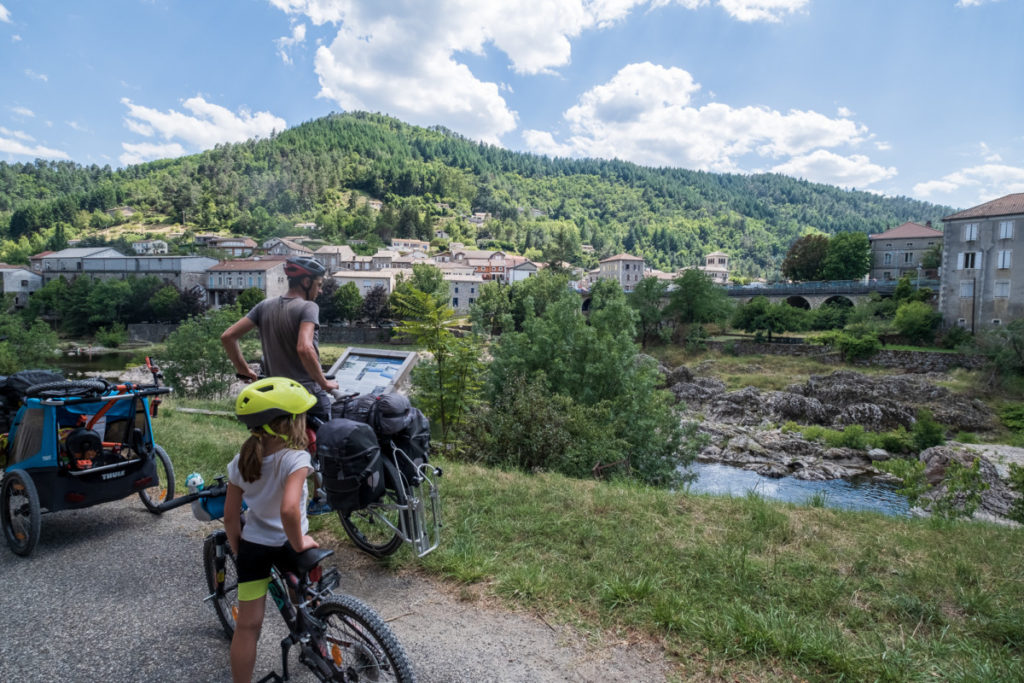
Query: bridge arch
(797, 301)
(838, 300)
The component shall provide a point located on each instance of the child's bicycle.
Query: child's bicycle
(340, 638)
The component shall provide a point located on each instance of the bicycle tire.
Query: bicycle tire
(68, 388)
(359, 645)
(370, 534)
(226, 605)
(161, 491)
(19, 512)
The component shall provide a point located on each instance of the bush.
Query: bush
(917, 321)
(964, 487)
(1012, 417)
(852, 345)
(967, 437)
(113, 336)
(196, 364)
(898, 440)
(956, 337)
(729, 348)
(24, 345)
(911, 474)
(926, 431)
(790, 427)
(815, 433)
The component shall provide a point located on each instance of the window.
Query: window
(910, 245)
(220, 280)
(969, 260)
(259, 281)
(228, 281)
(970, 232)
(250, 280)
(967, 289)
(1001, 289)
(211, 281)
(908, 257)
(455, 302)
(1005, 259)
(471, 302)
(997, 321)
(456, 289)
(1006, 230)
(24, 283)
(961, 322)
(888, 259)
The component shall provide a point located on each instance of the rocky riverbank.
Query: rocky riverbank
(744, 427)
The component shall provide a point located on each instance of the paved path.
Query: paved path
(113, 593)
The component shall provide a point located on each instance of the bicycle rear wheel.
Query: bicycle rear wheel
(223, 584)
(359, 645)
(366, 527)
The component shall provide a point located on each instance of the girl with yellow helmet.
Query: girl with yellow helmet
(269, 474)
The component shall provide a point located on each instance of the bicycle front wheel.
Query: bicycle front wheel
(359, 645)
(223, 583)
(372, 529)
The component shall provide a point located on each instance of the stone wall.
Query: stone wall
(909, 361)
(150, 332)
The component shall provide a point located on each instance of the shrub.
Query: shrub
(917, 321)
(196, 362)
(911, 473)
(1017, 484)
(814, 433)
(956, 337)
(964, 486)
(729, 348)
(113, 336)
(926, 431)
(1012, 417)
(790, 427)
(852, 345)
(967, 437)
(898, 440)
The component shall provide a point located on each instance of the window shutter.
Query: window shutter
(960, 261)
(977, 260)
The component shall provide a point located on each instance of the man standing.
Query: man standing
(289, 334)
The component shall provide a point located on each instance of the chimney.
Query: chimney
(928, 224)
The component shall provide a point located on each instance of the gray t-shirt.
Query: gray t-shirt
(279, 319)
(263, 520)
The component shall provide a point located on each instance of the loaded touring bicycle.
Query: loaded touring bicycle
(74, 444)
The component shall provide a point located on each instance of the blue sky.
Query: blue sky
(921, 98)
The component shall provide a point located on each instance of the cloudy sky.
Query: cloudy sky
(922, 98)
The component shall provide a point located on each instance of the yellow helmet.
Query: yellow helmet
(272, 397)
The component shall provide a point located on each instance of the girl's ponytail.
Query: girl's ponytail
(250, 460)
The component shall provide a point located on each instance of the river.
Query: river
(716, 479)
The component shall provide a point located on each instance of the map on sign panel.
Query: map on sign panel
(368, 374)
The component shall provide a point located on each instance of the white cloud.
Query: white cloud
(5, 15)
(822, 166)
(645, 114)
(761, 10)
(75, 125)
(208, 125)
(15, 38)
(39, 77)
(21, 135)
(287, 42)
(845, 112)
(18, 147)
(402, 57)
(883, 146)
(136, 153)
(973, 3)
(23, 111)
(986, 181)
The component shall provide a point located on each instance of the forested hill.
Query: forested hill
(325, 171)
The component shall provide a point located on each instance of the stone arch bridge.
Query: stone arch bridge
(811, 295)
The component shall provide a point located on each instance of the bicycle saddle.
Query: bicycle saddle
(308, 559)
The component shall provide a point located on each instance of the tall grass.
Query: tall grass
(735, 588)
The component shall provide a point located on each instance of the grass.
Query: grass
(735, 588)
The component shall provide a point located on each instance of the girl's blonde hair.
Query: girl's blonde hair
(291, 428)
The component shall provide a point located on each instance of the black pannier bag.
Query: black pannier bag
(351, 464)
(413, 441)
(387, 413)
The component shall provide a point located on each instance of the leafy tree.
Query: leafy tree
(196, 364)
(647, 300)
(848, 257)
(425, 278)
(250, 297)
(348, 302)
(107, 301)
(532, 296)
(375, 305)
(926, 432)
(1004, 348)
(917, 321)
(696, 299)
(75, 310)
(593, 363)
(491, 312)
(931, 259)
(448, 383)
(806, 257)
(760, 315)
(25, 344)
(166, 304)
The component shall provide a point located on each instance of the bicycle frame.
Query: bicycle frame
(413, 525)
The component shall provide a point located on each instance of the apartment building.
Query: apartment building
(898, 251)
(716, 267)
(981, 285)
(226, 280)
(626, 269)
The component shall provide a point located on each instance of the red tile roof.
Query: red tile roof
(1004, 206)
(265, 263)
(907, 231)
(621, 257)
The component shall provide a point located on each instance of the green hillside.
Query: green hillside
(325, 170)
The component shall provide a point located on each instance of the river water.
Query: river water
(723, 480)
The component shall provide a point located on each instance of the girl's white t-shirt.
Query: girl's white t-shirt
(263, 520)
